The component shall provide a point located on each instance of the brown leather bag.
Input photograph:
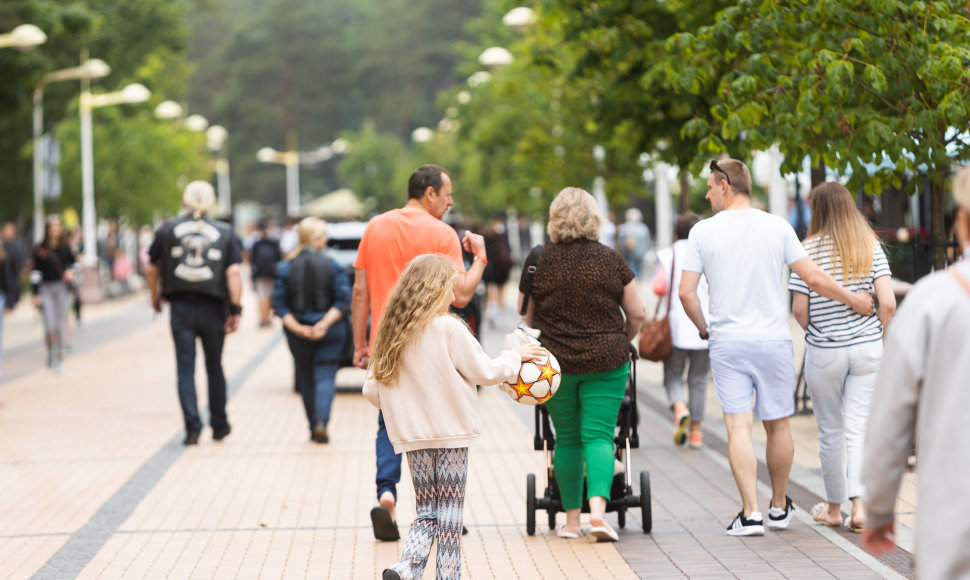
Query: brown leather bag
(655, 340)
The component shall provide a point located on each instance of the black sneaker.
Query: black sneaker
(778, 518)
(220, 433)
(191, 437)
(750, 526)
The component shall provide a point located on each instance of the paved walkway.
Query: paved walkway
(94, 481)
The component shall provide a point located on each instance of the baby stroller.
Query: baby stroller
(622, 490)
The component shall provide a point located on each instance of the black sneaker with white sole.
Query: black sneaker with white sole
(778, 518)
(752, 525)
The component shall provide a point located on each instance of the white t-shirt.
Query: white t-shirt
(833, 324)
(683, 333)
(743, 254)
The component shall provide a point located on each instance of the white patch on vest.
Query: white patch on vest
(214, 254)
(197, 227)
(177, 251)
(193, 274)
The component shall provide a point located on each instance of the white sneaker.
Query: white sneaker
(778, 518)
(752, 525)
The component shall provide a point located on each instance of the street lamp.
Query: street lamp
(216, 137)
(24, 36)
(519, 18)
(495, 57)
(90, 69)
(134, 93)
(293, 159)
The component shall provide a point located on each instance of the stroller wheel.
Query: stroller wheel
(621, 517)
(552, 518)
(530, 504)
(647, 513)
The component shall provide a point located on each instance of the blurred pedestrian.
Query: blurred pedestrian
(585, 303)
(921, 401)
(689, 350)
(9, 287)
(51, 274)
(499, 264)
(263, 258)
(635, 240)
(194, 266)
(121, 271)
(421, 355)
(742, 251)
(311, 294)
(844, 348)
(13, 248)
(390, 241)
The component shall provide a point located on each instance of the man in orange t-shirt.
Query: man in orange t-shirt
(390, 241)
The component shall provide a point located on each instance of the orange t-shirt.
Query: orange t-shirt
(393, 239)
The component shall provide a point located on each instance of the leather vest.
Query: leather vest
(310, 285)
(194, 257)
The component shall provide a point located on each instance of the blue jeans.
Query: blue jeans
(314, 377)
(388, 462)
(193, 318)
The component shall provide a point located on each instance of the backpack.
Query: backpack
(266, 254)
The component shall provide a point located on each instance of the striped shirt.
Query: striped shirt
(831, 323)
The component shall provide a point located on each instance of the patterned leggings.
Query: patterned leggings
(439, 484)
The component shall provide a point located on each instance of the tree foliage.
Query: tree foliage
(876, 90)
(138, 159)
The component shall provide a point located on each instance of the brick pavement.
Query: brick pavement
(95, 484)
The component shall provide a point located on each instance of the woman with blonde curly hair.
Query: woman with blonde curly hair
(584, 300)
(844, 348)
(424, 366)
(311, 294)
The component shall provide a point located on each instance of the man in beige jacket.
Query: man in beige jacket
(922, 395)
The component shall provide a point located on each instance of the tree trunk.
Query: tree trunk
(684, 190)
(937, 228)
(818, 173)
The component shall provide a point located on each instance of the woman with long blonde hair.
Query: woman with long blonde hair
(311, 294)
(844, 348)
(424, 366)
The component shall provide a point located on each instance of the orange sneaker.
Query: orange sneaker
(695, 439)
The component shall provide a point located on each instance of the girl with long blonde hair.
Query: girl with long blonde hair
(844, 348)
(424, 368)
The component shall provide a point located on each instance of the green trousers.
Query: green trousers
(583, 414)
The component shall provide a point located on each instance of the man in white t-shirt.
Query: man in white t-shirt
(742, 251)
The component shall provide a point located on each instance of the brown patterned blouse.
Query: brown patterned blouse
(577, 291)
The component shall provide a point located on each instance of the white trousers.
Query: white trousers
(841, 382)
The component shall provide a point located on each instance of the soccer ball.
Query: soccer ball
(536, 383)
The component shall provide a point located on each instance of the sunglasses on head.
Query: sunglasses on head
(716, 167)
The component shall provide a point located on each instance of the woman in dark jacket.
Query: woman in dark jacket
(9, 289)
(586, 305)
(51, 274)
(311, 294)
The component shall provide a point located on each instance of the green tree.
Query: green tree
(376, 168)
(874, 90)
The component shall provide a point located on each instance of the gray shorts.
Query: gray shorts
(263, 286)
(763, 368)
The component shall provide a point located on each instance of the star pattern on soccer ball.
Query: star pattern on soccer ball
(547, 371)
(521, 388)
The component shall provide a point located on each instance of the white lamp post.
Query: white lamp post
(24, 36)
(519, 18)
(216, 137)
(292, 159)
(134, 93)
(91, 69)
(495, 56)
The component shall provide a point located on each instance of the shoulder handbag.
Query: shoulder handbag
(655, 340)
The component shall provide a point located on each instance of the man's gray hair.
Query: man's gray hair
(198, 198)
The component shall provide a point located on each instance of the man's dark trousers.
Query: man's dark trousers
(200, 317)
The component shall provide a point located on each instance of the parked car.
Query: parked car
(343, 239)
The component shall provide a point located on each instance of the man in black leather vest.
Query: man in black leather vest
(194, 266)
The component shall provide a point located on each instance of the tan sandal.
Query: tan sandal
(818, 514)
